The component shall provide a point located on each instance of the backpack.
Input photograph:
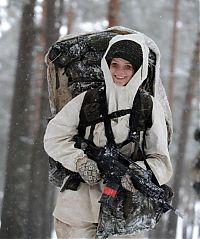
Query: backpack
(74, 66)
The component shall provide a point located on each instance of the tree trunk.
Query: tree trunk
(173, 54)
(185, 122)
(113, 13)
(15, 202)
(60, 13)
(70, 18)
(41, 193)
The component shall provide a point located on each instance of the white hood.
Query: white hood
(121, 97)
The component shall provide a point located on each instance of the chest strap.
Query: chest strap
(135, 114)
(113, 115)
(134, 134)
(140, 115)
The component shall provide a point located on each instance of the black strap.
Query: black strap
(134, 135)
(99, 95)
(113, 115)
(107, 123)
(135, 114)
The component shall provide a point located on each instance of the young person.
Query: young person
(125, 68)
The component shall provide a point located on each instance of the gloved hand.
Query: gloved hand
(127, 184)
(88, 170)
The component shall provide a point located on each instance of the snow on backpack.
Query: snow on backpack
(73, 67)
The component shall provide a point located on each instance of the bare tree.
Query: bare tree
(60, 13)
(183, 137)
(41, 193)
(113, 13)
(173, 53)
(15, 202)
(70, 18)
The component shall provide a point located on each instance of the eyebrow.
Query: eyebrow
(114, 61)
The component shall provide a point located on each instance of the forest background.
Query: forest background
(27, 29)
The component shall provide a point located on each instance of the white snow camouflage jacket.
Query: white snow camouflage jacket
(74, 207)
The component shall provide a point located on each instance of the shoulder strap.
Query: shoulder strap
(141, 115)
(135, 117)
(143, 119)
(107, 123)
(94, 110)
(95, 100)
(91, 99)
(92, 113)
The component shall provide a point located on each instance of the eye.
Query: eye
(128, 67)
(113, 64)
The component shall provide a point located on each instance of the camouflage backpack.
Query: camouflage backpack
(73, 67)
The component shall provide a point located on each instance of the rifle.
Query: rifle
(113, 165)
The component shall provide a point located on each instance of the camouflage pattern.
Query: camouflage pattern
(134, 213)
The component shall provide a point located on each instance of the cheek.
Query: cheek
(112, 71)
(130, 74)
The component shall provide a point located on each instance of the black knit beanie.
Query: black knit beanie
(128, 50)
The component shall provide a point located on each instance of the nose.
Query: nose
(120, 72)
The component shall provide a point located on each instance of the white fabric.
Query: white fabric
(66, 231)
(121, 97)
(82, 205)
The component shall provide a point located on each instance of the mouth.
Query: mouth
(120, 78)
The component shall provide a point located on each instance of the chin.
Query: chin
(119, 84)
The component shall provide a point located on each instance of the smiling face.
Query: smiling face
(121, 71)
